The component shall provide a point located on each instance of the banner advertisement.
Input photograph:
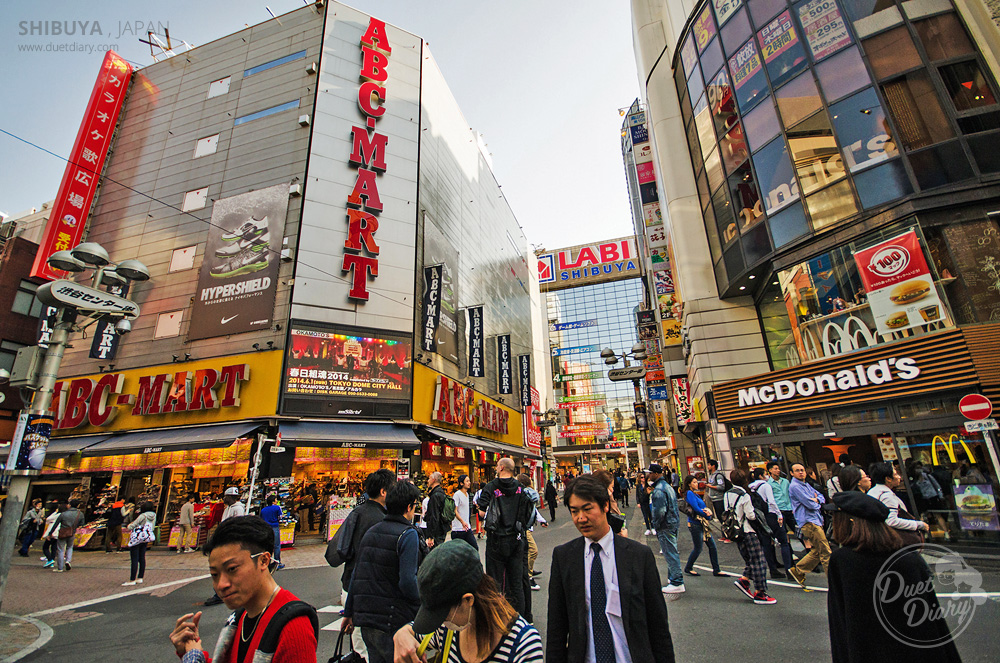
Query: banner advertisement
(505, 370)
(744, 64)
(440, 252)
(664, 281)
(581, 404)
(106, 339)
(576, 350)
(689, 56)
(647, 317)
(578, 377)
(477, 364)
(704, 28)
(672, 332)
(533, 434)
(645, 172)
(669, 306)
(682, 400)
(524, 372)
(46, 323)
(239, 273)
(641, 421)
(29, 454)
(639, 134)
(977, 508)
(355, 372)
(824, 27)
(432, 307)
(657, 237)
(581, 397)
(658, 393)
(652, 214)
(724, 9)
(901, 291)
(647, 332)
(579, 324)
(71, 207)
(777, 36)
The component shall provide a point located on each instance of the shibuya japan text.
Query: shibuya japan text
(367, 333)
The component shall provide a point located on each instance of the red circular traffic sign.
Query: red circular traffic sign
(975, 406)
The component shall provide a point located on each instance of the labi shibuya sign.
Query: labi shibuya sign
(589, 263)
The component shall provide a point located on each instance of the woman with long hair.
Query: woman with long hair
(140, 532)
(854, 478)
(698, 525)
(463, 616)
(875, 586)
(617, 519)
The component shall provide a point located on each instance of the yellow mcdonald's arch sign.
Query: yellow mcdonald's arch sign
(949, 446)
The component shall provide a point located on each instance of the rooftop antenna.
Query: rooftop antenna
(272, 15)
(159, 49)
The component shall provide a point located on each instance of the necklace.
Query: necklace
(257, 618)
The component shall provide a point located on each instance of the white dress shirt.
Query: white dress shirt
(613, 605)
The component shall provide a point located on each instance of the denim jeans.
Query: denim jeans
(277, 543)
(697, 538)
(668, 541)
(781, 537)
(379, 644)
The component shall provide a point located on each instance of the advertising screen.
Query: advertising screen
(347, 372)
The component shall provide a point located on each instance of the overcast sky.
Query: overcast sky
(541, 80)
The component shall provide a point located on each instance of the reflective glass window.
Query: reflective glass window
(713, 167)
(722, 103)
(686, 110)
(712, 59)
(943, 37)
(756, 244)
(940, 165)
(831, 205)
(918, 114)
(823, 27)
(842, 74)
(735, 32)
(859, 9)
(733, 259)
(985, 152)
(781, 48)
(798, 99)
(760, 125)
(882, 184)
(720, 274)
(726, 9)
(704, 195)
(703, 29)
(748, 75)
(788, 225)
(746, 198)
(863, 130)
(774, 176)
(692, 136)
(764, 10)
(725, 218)
(734, 148)
(679, 81)
(891, 52)
(695, 85)
(689, 56)
(814, 153)
(977, 123)
(714, 243)
(967, 85)
(703, 123)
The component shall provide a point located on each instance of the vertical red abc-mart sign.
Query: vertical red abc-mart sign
(368, 154)
(79, 183)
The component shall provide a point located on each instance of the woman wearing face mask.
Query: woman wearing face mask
(463, 615)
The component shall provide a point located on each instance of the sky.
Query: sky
(543, 81)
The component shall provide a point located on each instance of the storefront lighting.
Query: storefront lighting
(752, 277)
(743, 287)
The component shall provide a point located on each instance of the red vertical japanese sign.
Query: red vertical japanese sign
(86, 161)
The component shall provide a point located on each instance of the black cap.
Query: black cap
(449, 572)
(857, 504)
(655, 468)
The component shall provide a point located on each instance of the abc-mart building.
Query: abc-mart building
(798, 147)
(318, 219)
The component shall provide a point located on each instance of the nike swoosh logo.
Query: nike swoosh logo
(225, 320)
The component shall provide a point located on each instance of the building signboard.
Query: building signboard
(477, 358)
(505, 365)
(588, 263)
(445, 403)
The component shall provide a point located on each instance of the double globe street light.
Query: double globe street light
(637, 353)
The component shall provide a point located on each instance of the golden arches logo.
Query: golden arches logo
(949, 446)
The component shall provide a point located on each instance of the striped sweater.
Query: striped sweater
(522, 644)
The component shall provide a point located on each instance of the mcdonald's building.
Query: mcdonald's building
(896, 402)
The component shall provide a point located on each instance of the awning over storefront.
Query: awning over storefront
(476, 443)
(61, 447)
(171, 439)
(338, 434)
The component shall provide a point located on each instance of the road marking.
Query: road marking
(112, 597)
(331, 608)
(333, 626)
(793, 585)
(44, 635)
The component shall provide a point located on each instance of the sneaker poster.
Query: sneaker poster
(239, 271)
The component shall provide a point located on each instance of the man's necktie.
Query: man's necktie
(604, 646)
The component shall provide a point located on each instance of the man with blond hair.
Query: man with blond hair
(508, 512)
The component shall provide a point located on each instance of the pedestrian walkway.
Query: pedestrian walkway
(20, 636)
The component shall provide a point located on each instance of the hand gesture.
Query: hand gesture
(404, 644)
(185, 636)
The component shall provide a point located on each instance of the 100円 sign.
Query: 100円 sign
(72, 295)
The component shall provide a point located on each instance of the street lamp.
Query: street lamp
(637, 353)
(71, 299)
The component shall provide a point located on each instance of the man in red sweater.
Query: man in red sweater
(266, 618)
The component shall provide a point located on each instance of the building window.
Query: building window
(195, 199)
(206, 146)
(168, 324)
(25, 301)
(274, 63)
(264, 113)
(8, 353)
(182, 259)
(219, 87)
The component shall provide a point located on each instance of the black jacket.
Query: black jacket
(435, 508)
(516, 510)
(551, 495)
(365, 516)
(644, 611)
(375, 598)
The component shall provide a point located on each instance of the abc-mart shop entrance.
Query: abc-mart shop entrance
(897, 402)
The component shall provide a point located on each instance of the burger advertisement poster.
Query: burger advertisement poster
(977, 508)
(900, 287)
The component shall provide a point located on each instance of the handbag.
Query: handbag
(616, 521)
(143, 534)
(65, 532)
(909, 537)
(350, 657)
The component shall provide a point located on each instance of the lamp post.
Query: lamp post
(72, 300)
(638, 353)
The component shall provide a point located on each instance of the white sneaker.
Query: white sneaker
(648, 532)
(139, 580)
(129, 583)
(673, 589)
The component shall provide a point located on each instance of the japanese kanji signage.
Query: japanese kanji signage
(83, 171)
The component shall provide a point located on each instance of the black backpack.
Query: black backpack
(760, 508)
(286, 613)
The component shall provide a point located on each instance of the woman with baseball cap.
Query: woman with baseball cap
(462, 611)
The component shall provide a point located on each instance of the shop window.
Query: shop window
(734, 148)
(219, 87)
(704, 193)
(722, 103)
(863, 130)
(867, 416)
(300, 55)
(712, 59)
(714, 244)
(266, 112)
(823, 26)
(25, 301)
(194, 199)
(735, 32)
(703, 124)
(774, 176)
(985, 152)
(831, 205)
(941, 165)
(725, 216)
(788, 226)
(689, 57)
(721, 279)
(892, 52)
(692, 137)
(800, 423)
(182, 259)
(814, 153)
(681, 84)
(943, 37)
(686, 111)
(781, 49)
(978, 123)
(8, 353)
(777, 327)
(882, 184)
(798, 100)
(756, 244)
(733, 260)
(968, 260)
(206, 146)
(713, 168)
(760, 125)
(695, 85)
(966, 85)
(917, 112)
(764, 10)
(168, 324)
(842, 74)
(749, 81)
(861, 9)
(750, 429)
(749, 208)
(935, 407)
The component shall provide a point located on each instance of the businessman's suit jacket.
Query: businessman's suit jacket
(644, 611)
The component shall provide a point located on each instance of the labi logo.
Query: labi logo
(889, 260)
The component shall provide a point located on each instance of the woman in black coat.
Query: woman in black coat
(551, 498)
(869, 570)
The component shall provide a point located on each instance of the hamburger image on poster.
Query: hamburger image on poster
(909, 304)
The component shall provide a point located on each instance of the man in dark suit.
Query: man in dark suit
(605, 604)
